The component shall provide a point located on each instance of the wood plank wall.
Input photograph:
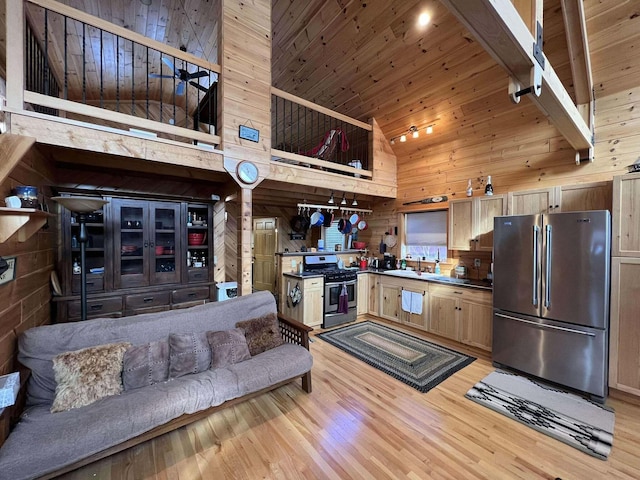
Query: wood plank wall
(25, 301)
(516, 145)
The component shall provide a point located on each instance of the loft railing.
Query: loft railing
(111, 76)
(38, 75)
(309, 135)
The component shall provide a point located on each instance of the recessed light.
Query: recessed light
(424, 19)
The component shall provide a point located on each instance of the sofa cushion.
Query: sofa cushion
(228, 347)
(188, 353)
(84, 376)
(146, 364)
(262, 333)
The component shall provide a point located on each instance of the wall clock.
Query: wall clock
(247, 172)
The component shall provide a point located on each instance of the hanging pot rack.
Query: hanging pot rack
(334, 207)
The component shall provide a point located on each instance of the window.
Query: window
(332, 236)
(426, 235)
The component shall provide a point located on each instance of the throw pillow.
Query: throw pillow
(262, 333)
(188, 353)
(146, 364)
(84, 376)
(228, 347)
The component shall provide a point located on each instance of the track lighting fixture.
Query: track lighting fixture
(344, 200)
(413, 131)
(331, 201)
(355, 202)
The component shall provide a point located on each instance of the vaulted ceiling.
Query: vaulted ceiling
(367, 58)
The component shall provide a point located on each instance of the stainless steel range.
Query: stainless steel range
(340, 289)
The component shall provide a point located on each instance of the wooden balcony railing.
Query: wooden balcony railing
(306, 134)
(107, 75)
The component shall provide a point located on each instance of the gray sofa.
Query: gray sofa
(45, 444)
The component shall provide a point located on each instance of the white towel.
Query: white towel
(407, 298)
(416, 303)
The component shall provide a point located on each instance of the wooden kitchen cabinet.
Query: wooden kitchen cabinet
(374, 287)
(624, 333)
(389, 299)
(471, 222)
(416, 320)
(461, 314)
(310, 309)
(363, 294)
(565, 198)
(625, 218)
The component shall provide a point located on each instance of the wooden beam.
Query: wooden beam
(501, 31)
(576, 32)
(12, 149)
(245, 225)
(15, 28)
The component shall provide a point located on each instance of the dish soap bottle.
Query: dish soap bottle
(488, 190)
(469, 189)
(403, 264)
(437, 269)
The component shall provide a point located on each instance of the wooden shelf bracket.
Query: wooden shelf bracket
(25, 221)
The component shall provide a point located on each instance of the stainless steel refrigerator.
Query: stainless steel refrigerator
(551, 297)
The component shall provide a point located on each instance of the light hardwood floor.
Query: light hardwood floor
(362, 424)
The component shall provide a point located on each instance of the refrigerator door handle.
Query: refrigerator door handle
(534, 297)
(544, 326)
(547, 274)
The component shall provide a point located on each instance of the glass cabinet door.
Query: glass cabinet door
(95, 252)
(164, 243)
(131, 244)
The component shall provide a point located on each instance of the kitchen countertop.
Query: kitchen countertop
(322, 252)
(409, 275)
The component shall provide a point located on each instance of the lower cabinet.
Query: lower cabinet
(461, 314)
(390, 291)
(310, 308)
(624, 334)
(363, 294)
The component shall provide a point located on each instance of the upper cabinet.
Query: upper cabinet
(625, 234)
(567, 198)
(471, 222)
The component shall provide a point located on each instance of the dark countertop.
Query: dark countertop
(322, 252)
(476, 284)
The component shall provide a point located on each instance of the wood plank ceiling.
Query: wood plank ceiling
(365, 58)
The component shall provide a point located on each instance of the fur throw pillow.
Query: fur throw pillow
(262, 333)
(228, 347)
(84, 376)
(146, 364)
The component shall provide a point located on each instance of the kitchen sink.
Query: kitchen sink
(426, 276)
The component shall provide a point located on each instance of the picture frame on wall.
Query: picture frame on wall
(7, 269)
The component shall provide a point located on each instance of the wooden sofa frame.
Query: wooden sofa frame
(292, 332)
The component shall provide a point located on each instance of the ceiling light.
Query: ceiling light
(355, 202)
(429, 129)
(344, 200)
(393, 141)
(424, 19)
(403, 138)
(331, 201)
(414, 132)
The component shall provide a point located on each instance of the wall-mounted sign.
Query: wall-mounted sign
(249, 133)
(9, 272)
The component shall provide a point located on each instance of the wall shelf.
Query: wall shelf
(25, 221)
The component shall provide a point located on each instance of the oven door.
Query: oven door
(332, 293)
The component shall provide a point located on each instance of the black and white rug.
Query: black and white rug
(567, 417)
(414, 361)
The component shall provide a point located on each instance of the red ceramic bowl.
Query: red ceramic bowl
(196, 238)
(359, 245)
(159, 250)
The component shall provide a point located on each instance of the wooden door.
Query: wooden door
(374, 287)
(461, 224)
(624, 338)
(443, 315)
(264, 249)
(486, 209)
(586, 196)
(131, 243)
(163, 230)
(363, 293)
(312, 299)
(476, 324)
(531, 202)
(625, 233)
(418, 320)
(389, 301)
